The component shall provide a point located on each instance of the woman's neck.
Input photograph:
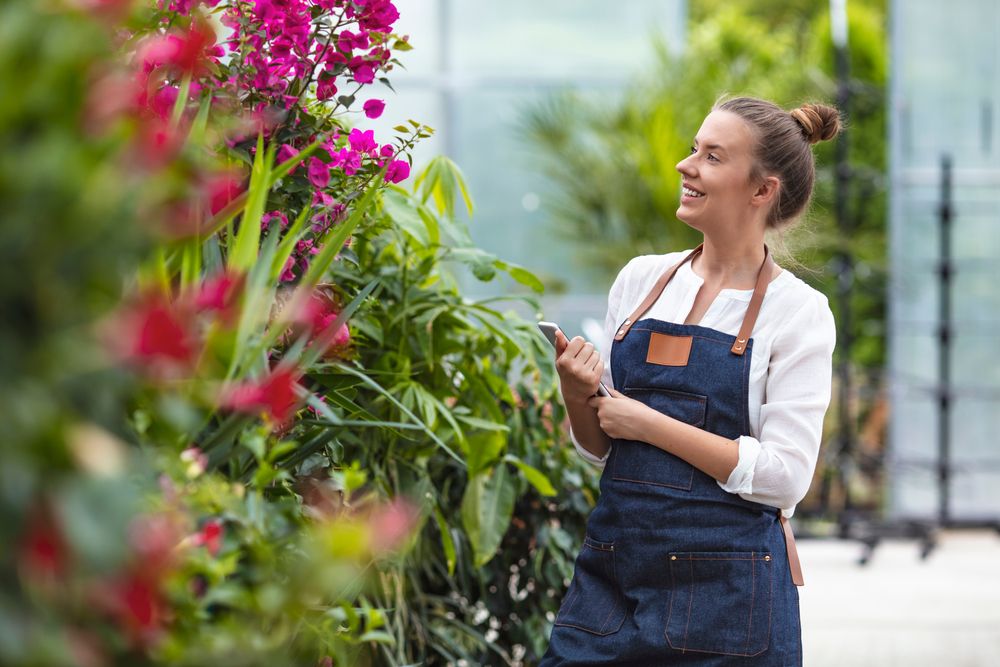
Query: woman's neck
(733, 263)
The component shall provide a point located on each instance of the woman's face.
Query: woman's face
(716, 188)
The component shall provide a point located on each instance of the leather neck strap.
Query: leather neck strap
(749, 319)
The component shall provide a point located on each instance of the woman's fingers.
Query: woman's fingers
(561, 342)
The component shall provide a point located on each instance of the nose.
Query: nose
(685, 166)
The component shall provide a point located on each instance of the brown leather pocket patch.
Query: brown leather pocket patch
(668, 350)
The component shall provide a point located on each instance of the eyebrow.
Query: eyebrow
(710, 146)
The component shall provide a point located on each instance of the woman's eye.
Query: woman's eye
(693, 151)
(713, 156)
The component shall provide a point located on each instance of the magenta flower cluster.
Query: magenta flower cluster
(285, 45)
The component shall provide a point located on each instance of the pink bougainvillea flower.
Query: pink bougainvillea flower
(387, 150)
(288, 270)
(319, 172)
(398, 170)
(364, 73)
(363, 142)
(326, 88)
(265, 220)
(286, 153)
(348, 41)
(374, 108)
(274, 395)
(324, 199)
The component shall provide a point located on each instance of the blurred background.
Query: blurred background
(568, 119)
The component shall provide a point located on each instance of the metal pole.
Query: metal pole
(945, 274)
(844, 260)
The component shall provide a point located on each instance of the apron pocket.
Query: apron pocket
(720, 602)
(645, 464)
(592, 602)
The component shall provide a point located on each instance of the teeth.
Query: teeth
(691, 193)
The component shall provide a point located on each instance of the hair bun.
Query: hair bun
(818, 122)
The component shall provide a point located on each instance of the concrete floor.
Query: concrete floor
(898, 610)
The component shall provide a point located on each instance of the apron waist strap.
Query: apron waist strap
(793, 554)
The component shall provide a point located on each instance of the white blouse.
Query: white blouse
(790, 369)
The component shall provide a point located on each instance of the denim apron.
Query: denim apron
(674, 570)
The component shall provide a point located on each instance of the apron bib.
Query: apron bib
(673, 569)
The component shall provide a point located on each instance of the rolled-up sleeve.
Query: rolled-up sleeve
(776, 467)
(616, 303)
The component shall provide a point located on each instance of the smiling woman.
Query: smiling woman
(720, 362)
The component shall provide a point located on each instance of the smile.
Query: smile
(688, 192)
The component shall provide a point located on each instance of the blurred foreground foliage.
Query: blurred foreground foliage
(250, 418)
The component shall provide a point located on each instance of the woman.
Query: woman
(720, 364)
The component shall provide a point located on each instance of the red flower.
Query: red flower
(316, 319)
(220, 189)
(138, 605)
(274, 395)
(210, 536)
(188, 52)
(157, 142)
(43, 553)
(156, 335)
(221, 294)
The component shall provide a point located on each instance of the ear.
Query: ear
(767, 192)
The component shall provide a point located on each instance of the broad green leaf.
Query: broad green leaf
(525, 277)
(402, 211)
(482, 449)
(487, 507)
(534, 476)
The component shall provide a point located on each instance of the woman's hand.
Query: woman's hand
(622, 417)
(579, 366)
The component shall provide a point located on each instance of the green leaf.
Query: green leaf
(534, 476)
(447, 543)
(378, 636)
(487, 507)
(244, 252)
(482, 450)
(525, 277)
(403, 212)
(333, 241)
(392, 399)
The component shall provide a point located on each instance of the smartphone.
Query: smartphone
(550, 329)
